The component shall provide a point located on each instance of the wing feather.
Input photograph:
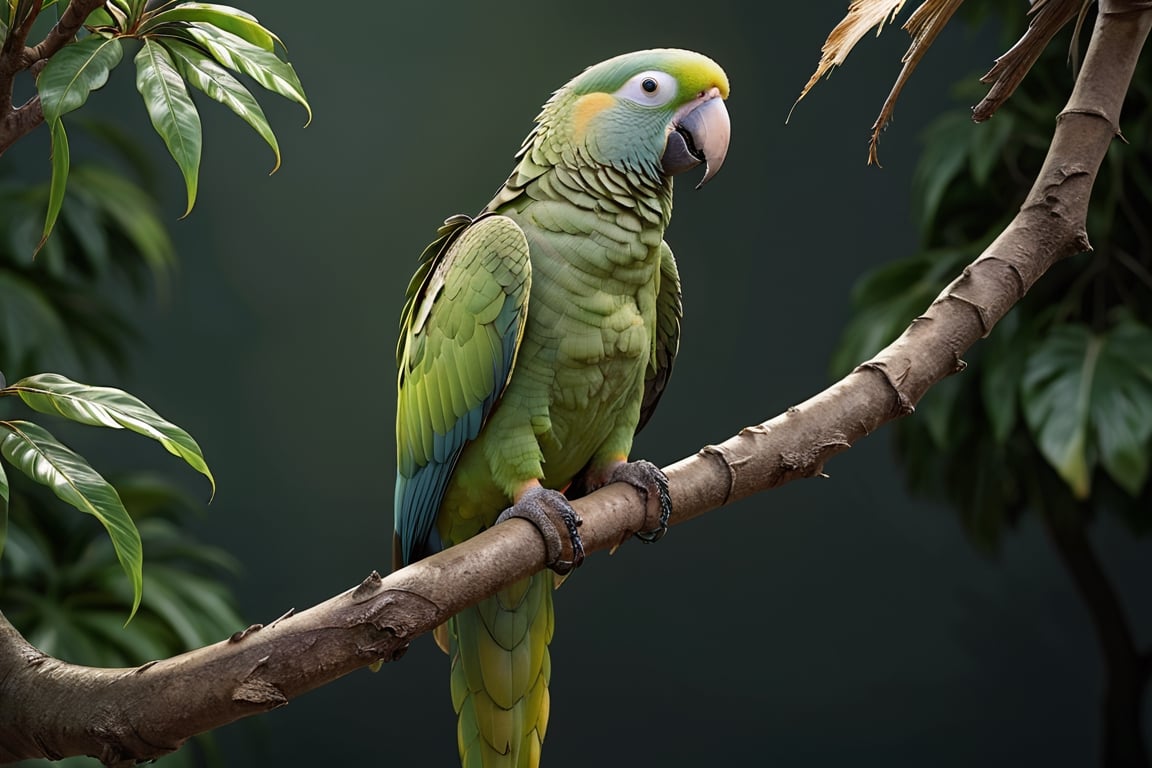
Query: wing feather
(460, 330)
(666, 339)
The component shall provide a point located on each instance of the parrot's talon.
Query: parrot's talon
(647, 478)
(542, 507)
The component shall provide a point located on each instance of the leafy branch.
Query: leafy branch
(181, 44)
(38, 454)
(263, 667)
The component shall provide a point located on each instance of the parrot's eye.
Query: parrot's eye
(650, 89)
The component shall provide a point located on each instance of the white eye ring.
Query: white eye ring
(649, 89)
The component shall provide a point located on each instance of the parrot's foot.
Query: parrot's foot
(551, 513)
(651, 481)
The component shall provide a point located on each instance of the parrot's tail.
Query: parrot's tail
(500, 672)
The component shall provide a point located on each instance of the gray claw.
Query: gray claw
(550, 512)
(645, 477)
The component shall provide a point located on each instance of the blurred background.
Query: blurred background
(830, 621)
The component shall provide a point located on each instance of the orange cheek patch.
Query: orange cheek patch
(586, 108)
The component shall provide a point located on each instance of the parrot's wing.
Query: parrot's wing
(666, 340)
(459, 333)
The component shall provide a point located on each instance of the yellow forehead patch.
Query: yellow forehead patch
(699, 75)
(587, 107)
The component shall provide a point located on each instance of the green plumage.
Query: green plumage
(535, 341)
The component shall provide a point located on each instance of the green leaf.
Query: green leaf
(243, 25)
(887, 300)
(239, 55)
(35, 452)
(987, 142)
(203, 72)
(1057, 394)
(73, 73)
(939, 409)
(1000, 370)
(107, 407)
(100, 18)
(82, 220)
(946, 144)
(61, 160)
(118, 14)
(133, 8)
(173, 114)
(1122, 409)
(20, 10)
(31, 327)
(132, 210)
(1088, 398)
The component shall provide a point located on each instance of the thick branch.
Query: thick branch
(135, 714)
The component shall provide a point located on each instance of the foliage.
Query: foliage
(63, 306)
(52, 315)
(180, 44)
(66, 308)
(1053, 415)
(38, 454)
(64, 588)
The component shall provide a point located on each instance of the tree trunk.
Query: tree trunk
(1125, 668)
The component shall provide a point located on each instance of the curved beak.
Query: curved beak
(699, 134)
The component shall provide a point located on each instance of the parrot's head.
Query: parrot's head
(658, 112)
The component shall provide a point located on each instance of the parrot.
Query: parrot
(536, 339)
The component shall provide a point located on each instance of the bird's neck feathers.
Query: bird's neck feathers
(561, 158)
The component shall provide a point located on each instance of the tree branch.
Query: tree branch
(122, 715)
(63, 31)
(17, 122)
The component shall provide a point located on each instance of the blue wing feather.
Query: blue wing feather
(458, 265)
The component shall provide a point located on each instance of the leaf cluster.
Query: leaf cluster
(65, 308)
(1054, 413)
(180, 44)
(33, 450)
(65, 588)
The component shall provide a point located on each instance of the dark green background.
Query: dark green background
(831, 622)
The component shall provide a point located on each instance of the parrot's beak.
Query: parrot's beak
(699, 133)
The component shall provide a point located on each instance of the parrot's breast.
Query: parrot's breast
(589, 334)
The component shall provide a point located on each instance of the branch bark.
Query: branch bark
(125, 715)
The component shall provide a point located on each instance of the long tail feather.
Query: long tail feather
(500, 673)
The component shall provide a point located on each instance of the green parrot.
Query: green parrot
(535, 341)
